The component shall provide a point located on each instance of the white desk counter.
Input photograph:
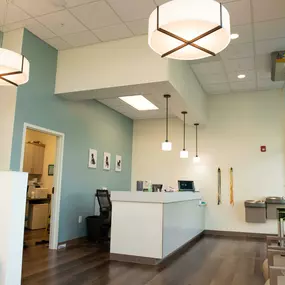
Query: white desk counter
(147, 227)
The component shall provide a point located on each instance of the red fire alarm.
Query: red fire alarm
(263, 148)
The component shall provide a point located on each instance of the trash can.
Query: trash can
(273, 203)
(255, 211)
(95, 228)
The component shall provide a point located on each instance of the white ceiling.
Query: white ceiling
(72, 23)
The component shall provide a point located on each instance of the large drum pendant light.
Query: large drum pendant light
(189, 29)
(14, 67)
(166, 145)
(196, 159)
(184, 152)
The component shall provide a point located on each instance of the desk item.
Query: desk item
(157, 187)
(139, 185)
(147, 186)
(219, 186)
(184, 185)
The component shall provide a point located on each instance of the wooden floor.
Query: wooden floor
(212, 261)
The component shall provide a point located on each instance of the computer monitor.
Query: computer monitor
(184, 185)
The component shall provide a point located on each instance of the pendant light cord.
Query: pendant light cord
(196, 140)
(184, 146)
(167, 119)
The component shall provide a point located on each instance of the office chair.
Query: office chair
(98, 227)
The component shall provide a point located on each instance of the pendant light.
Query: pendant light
(196, 159)
(166, 145)
(184, 152)
(189, 29)
(14, 67)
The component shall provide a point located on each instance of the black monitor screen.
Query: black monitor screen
(186, 186)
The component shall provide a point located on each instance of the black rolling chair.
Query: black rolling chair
(98, 227)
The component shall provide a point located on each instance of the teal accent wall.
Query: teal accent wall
(85, 125)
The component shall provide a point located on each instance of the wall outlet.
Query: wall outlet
(62, 246)
(79, 219)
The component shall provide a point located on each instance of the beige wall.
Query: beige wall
(50, 154)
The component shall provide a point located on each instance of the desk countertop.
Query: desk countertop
(154, 197)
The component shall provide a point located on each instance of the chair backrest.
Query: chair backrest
(104, 200)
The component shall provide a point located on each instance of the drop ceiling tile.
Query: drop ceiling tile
(238, 51)
(58, 43)
(250, 76)
(240, 12)
(40, 7)
(264, 10)
(243, 86)
(220, 88)
(113, 33)
(73, 3)
(62, 23)
(14, 13)
(263, 63)
(245, 34)
(268, 84)
(96, 15)
(213, 78)
(263, 75)
(235, 65)
(208, 68)
(269, 30)
(81, 39)
(139, 27)
(130, 10)
(269, 46)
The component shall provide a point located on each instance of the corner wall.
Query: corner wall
(85, 125)
(238, 125)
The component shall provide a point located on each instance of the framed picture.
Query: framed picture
(50, 169)
(118, 163)
(92, 158)
(107, 161)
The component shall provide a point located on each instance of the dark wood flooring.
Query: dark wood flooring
(33, 236)
(212, 261)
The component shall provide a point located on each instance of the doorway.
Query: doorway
(41, 157)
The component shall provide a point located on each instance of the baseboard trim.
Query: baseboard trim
(73, 242)
(156, 261)
(259, 236)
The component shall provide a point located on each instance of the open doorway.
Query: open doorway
(42, 154)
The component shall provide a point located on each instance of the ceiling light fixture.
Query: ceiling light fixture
(197, 29)
(196, 158)
(234, 36)
(166, 145)
(14, 67)
(184, 152)
(241, 76)
(139, 102)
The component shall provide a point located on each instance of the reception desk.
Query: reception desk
(148, 227)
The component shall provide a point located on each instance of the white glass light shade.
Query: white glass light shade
(13, 62)
(166, 146)
(183, 154)
(196, 159)
(189, 19)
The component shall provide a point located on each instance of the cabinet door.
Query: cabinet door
(38, 160)
(28, 159)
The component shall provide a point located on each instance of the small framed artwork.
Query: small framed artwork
(107, 161)
(92, 158)
(50, 169)
(118, 163)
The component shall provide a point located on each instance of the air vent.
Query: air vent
(278, 66)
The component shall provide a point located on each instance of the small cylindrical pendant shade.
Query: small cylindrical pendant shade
(166, 146)
(183, 154)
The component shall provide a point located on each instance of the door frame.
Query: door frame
(54, 223)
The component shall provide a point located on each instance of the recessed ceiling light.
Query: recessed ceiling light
(241, 76)
(139, 102)
(234, 36)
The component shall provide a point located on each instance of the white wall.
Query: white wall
(49, 157)
(238, 125)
